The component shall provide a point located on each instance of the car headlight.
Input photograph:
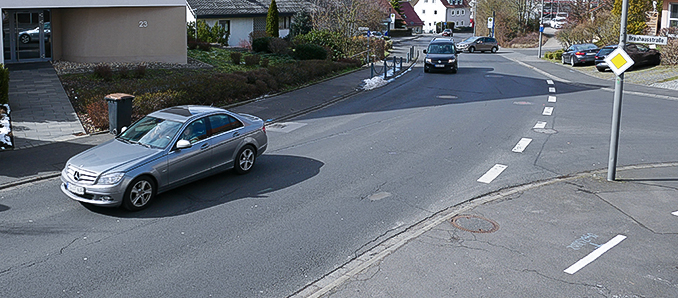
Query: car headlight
(111, 178)
(451, 60)
(428, 60)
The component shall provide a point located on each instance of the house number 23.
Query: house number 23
(143, 24)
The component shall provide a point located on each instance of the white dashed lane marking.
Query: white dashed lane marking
(594, 254)
(552, 89)
(492, 173)
(540, 124)
(675, 213)
(552, 99)
(550, 82)
(522, 144)
(547, 111)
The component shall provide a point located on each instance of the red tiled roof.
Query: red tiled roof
(411, 17)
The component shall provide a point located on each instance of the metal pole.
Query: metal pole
(475, 16)
(494, 20)
(541, 27)
(371, 69)
(618, 92)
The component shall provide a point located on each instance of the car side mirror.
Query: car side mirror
(183, 144)
(424, 51)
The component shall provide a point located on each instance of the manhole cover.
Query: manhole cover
(447, 96)
(474, 224)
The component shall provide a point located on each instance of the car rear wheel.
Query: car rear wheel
(572, 61)
(494, 49)
(471, 49)
(245, 160)
(25, 38)
(139, 194)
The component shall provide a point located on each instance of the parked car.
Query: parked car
(161, 151)
(448, 33)
(558, 22)
(441, 54)
(34, 34)
(641, 54)
(478, 43)
(580, 54)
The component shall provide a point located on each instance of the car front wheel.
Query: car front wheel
(139, 194)
(245, 160)
(494, 49)
(471, 49)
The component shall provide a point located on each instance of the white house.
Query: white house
(432, 12)
(93, 30)
(242, 17)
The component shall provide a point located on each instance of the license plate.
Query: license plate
(440, 65)
(591, 54)
(75, 189)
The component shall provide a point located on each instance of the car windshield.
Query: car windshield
(151, 132)
(441, 49)
(471, 39)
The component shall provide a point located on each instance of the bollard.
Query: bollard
(401, 63)
(119, 111)
(395, 66)
(385, 69)
(371, 70)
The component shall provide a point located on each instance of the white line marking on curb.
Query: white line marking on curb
(547, 111)
(675, 213)
(550, 82)
(522, 144)
(540, 124)
(552, 99)
(552, 89)
(492, 173)
(594, 254)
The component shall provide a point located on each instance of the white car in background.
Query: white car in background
(558, 22)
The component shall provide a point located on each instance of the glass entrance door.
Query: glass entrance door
(29, 37)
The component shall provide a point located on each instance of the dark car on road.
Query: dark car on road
(580, 54)
(478, 43)
(641, 54)
(441, 54)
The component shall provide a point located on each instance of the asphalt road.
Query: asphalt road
(333, 184)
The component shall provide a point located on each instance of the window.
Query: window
(195, 131)
(673, 15)
(284, 22)
(463, 12)
(226, 24)
(435, 12)
(222, 123)
(423, 11)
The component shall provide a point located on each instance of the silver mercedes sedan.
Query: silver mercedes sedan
(164, 150)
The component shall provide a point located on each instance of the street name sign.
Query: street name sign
(647, 39)
(363, 28)
(618, 61)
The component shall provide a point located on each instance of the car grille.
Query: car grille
(80, 175)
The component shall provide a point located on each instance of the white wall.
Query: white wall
(428, 17)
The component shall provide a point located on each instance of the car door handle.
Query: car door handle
(204, 146)
(235, 134)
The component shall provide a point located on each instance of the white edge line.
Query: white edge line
(552, 99)
(595, 254)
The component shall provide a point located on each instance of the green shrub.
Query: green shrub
(140, 71)
(205, 46)
(336, 42)
(264, 62)
(236, 57)
(123, 72)
(252, 60)
(4, 85)
(310, 51)
(261, 44)
(104, 72)
(279, 46)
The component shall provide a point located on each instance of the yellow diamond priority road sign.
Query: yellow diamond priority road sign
(618, 61)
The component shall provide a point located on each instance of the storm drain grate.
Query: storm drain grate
(474, 224)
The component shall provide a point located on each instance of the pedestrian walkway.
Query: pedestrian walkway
(40, 110)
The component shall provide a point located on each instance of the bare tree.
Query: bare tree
(345, 16)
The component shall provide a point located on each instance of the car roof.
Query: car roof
(442, 40)
(183, 113)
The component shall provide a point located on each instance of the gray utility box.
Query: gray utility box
(119, 111)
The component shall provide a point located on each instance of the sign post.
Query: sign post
(618, 91)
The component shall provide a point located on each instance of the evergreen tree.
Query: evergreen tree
(635, 23)
(301, 23)
(272, 20)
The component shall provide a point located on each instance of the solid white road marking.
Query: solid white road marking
(547, 111)
(552, 98)
(550, 82)
(522, 144)
(492, 173)
(595, 254)
(552, 89)
(540, 124)
(675, 213)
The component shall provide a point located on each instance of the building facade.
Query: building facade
(434, 12)
(93, 30)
